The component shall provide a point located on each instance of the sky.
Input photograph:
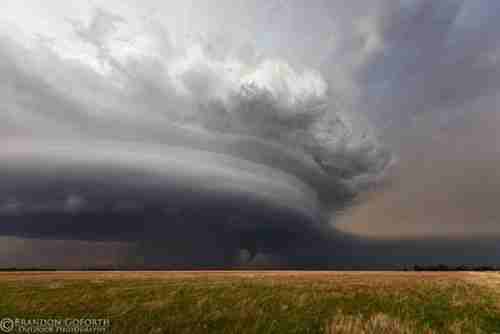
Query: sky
(310, 134)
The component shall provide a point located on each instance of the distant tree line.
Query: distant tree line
(444, 267)
(438, 267)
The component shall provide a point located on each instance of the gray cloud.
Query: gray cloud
(267, 118)
(434, 57)
(222, 154)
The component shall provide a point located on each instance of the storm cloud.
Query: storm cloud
(247, 133)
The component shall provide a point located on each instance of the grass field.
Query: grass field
(260, 302)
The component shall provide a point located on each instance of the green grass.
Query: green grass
(261, 304)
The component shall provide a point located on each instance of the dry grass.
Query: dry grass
(383, 324)
(261, 302)
(376, 324)
(350, 278)
(488, 280)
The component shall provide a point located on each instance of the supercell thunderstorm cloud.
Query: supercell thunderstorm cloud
(246, 133)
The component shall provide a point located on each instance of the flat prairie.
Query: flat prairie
(258, 301)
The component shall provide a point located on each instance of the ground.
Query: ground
(259, 302)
